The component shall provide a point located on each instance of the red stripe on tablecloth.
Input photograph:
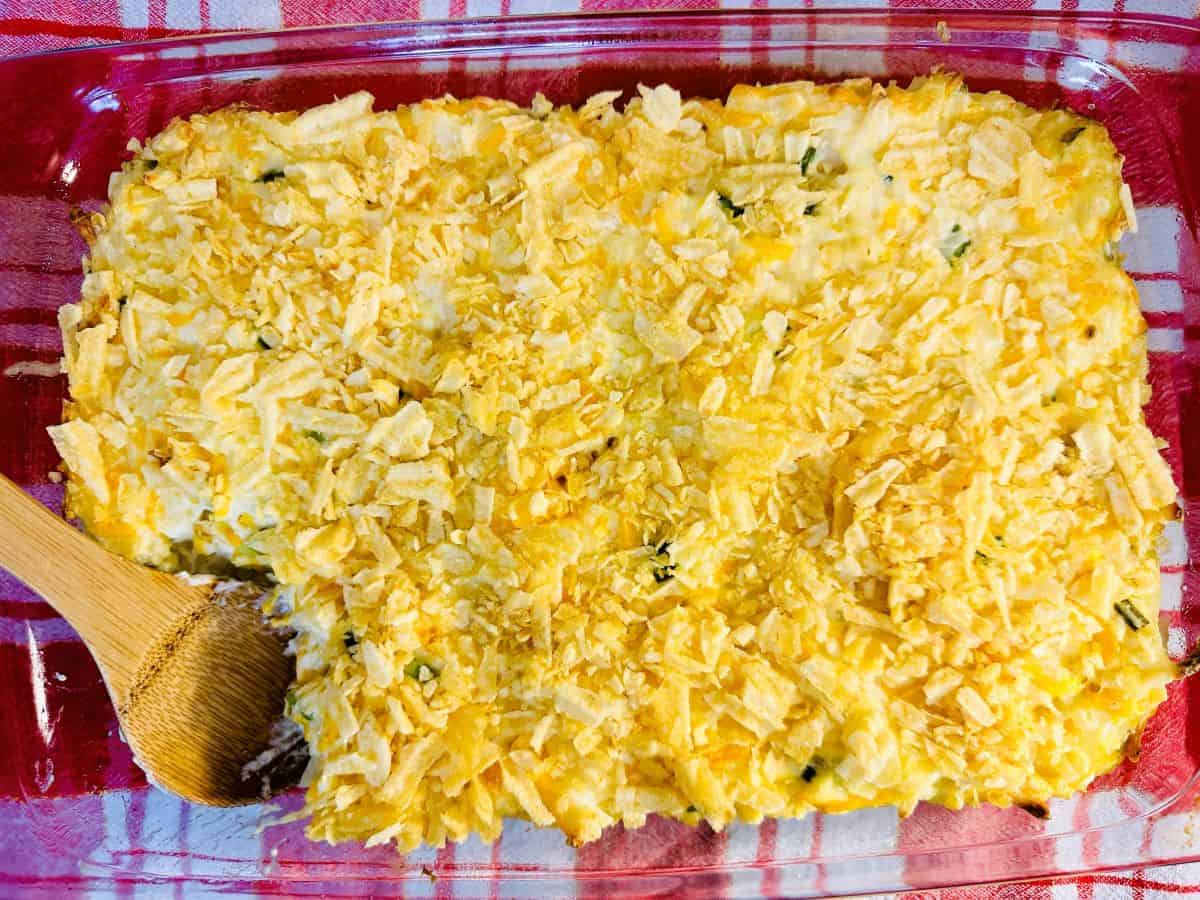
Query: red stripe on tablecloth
(984, 4)
(1139, 877)
(156, 12)
(1064, 32)
(182, 845)
(36, 297)
(26, 610)
(760, 35)
(815, 851)
(638, 5)
(1081, 821)
(85, 33)
(765, 855)
(497, 860)
(37, 269)
(25, 315)
(1091, 839)
(1164, 415)
(1022, 891)
(810, 34)
(52, 246)
(1138, 884)
(1163, 319)
(33, 340)
(84, 13)
(443, 889)
(29, 403)
(135, 820)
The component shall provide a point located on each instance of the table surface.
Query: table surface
(28, 26)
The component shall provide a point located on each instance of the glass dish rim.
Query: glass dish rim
(503, 26)
(508, 32)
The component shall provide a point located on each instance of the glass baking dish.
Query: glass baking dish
(76, 812)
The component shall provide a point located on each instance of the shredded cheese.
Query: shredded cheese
(706, 459)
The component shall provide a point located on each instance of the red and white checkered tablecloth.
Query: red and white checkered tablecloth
(140, 817)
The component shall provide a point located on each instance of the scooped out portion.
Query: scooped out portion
(712, 459)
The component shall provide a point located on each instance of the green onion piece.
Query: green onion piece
(1131, 614)
(811, 208)
(269, 176)
(289, 707)
(955, 245)
(422, 670)
(806, 159)
(982, 557)
(318, 436)
(730, 207)
(263, 344)
(1069, 136)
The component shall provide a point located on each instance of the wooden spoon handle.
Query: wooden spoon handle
(117, 606)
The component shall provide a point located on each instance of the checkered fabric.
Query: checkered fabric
(77, 814)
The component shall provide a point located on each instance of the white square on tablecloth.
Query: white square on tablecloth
(1155, 247)
(183, 14)
(135, 13)
(232, 14)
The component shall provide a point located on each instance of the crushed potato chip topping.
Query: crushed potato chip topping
(711, 460)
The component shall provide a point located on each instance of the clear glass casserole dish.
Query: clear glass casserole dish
(76, 812)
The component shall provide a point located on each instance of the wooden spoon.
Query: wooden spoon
(197, 679)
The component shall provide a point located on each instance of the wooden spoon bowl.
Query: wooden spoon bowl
(197, 678)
